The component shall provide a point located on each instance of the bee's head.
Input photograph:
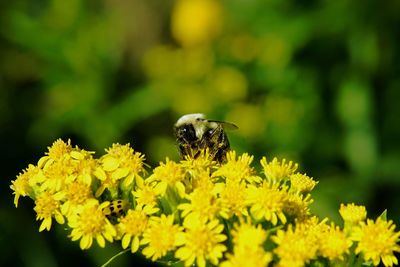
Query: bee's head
(190, 128)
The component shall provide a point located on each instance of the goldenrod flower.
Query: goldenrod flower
(267, 201)
(202, 203)
(302, 183)
(131, 228)
(22, 184)
(299, 244)
(160, 236)
(146, 198)
(352, 213)
(198, 164)
(295, 248)
(334, 243)
(57, 151)
(201, 242)
(121, 165)
(89, 222)
(47, 206)
(232, 199)
(247, 235)
(167, 174)
(247, 257)
(177, 211)
(82, 166)
(122, 162)
(56, 174)
(276, 171)
(248, 249)
(298, 206)
(377, 240)
(76, 194)
(237, 169)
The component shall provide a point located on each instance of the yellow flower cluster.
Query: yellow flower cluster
(197, 211)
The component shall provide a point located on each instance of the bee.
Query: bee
(194, 133)
(116, 209)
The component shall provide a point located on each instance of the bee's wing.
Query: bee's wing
(226, 125)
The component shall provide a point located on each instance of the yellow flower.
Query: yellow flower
(302, 183)
(131, 228)
(146, 198)
(76, 194)
(377, 240)
(298, 206)
(89, 222)
(232, 199)
(237, 169)
(352, 213)
(299, 244)
(334, 244)
(198, 164)
(200, 242)
(247, 257)
(82, 165)
(267, 201)
(22, 185)
(123, 163)
(196, 21)
(56, 152)
(202, 203)
(167, 174)
(276, 171)
(47, 205)
(247, 235)
(160, 236)
(56, 174)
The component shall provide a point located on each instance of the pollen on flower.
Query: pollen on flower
(352, 213)
(201, 242)
(377, 240)
(276, 171)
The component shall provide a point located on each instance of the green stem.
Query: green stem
(115, 256)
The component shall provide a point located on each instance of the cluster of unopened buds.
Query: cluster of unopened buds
(197, 211)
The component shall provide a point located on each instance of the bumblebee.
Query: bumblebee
(194, 133)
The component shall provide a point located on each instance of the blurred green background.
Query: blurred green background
(315, 81)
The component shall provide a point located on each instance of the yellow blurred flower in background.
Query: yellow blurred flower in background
(196, 22)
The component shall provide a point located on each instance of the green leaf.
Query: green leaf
(383, 216)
